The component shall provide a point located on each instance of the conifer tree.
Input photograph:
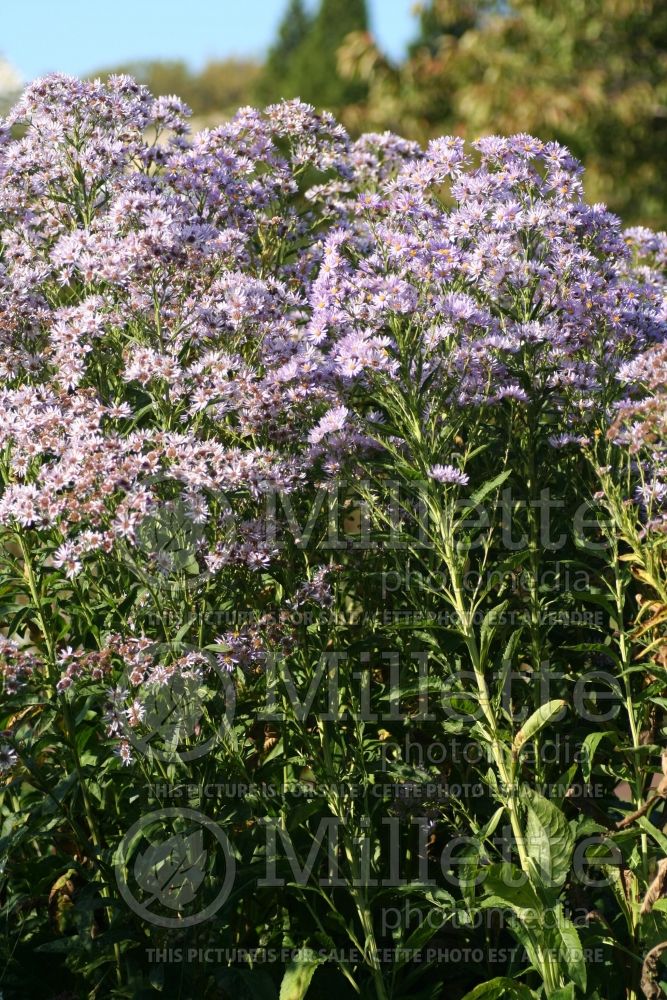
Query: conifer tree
(279, 78)
(316, 63)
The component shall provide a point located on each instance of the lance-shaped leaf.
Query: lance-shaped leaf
(535, 723)
(493, 620)
(566, 943)
(482, 493)
(172, 871)
(588, 749)
(298, 975)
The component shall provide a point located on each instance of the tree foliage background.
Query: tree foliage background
(589, 73)
(213, 93)
(304, 61)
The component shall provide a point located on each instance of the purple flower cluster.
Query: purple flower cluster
(448, 475)
(640, 429)
(205, 318)
(16, 665)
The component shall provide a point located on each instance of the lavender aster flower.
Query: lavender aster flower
(332, 421)
(448, 475)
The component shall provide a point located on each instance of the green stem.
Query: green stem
(625, 656)
(507, 775)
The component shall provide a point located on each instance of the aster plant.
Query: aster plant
(332, 509)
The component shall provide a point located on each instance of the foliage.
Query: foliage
(217, 90)
(591, 75)
(303, 62)
(316, 72)
(280, 73)
(332, 564)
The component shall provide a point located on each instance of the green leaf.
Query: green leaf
(506, 663)
(549, 841)
(566, 993)
(508, 886)
(156, 977)
(490, 625)
(527, 934)
(560, 786)
(423, 934)
(490, 828)
(173, 871)
(596, 647)
(600, 600)
(588, 748)
(536, 722)
(659, 837)
(570, 951)
(483, 492)
(512, 645)
(501, 989)
(298, 975)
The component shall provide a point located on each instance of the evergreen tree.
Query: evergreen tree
(278, 79)
(317, 76)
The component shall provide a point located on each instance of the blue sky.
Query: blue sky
(77, 36)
